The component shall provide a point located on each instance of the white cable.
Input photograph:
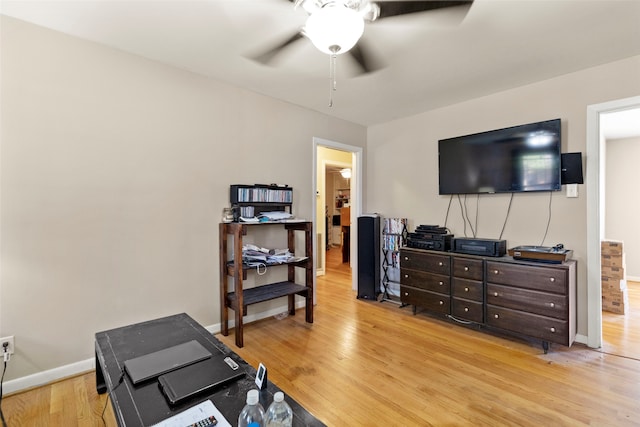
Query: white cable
(264, 266)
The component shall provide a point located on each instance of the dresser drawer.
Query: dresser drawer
(429, 300)
(525, 276)
(542, 327)
(467, 289)
(427, 281)
(434, 263)
(467, 268)
(468, 310)
(543, 303)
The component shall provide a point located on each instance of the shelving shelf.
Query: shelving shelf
(251, 200)
(394, 237)
(266, 293)
(239, 299)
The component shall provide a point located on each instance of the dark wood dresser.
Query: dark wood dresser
(532, 299)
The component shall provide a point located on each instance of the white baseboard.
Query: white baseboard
(73, 369)
(582, 339)
(46, 377)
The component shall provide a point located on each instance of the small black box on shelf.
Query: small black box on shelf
(486, 247)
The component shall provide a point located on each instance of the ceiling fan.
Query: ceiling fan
(335, 27)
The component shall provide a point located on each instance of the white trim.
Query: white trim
(56, 374)
(595, 212)
(46, 377)
(582, 339)
(356, 201)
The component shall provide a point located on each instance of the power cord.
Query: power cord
(446, 218)
(120, 381)
(504, 224)
(6, 357)
(548, 219)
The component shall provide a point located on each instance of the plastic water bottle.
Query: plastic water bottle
(279, 413)
(252, 415)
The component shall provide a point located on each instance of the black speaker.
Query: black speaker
(369, 256)
(571, 168)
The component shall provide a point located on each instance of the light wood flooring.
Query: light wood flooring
(376, 364)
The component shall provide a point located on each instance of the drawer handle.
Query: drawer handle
(552, 279)
(466, 289)
(495, 316)
(441, 302)
(553, 330)
(406, 294)
(441, 283)
(466, 309)
(406, 276)
(440, 264)
(466, 269)
(552, 305)
(406, 258)
(495, 294)
(496, 271)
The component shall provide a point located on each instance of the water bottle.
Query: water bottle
(252, 415)
(279, 413)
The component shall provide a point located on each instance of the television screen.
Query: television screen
(516, 159)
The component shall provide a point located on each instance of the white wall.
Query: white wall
(408, 148)
(622, 199)
(114, 173)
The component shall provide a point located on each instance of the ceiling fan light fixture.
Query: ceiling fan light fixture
(334, 29)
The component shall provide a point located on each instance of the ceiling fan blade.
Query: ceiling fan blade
(395, 8)
(365, 59)
(267, 57)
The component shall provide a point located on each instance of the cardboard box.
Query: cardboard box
(611, 247)
(613, 284)
(612, 260)
(613, 272)
(615, 301)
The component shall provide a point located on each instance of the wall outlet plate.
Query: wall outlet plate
(10, 347)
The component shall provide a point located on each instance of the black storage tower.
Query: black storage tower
(369, 256)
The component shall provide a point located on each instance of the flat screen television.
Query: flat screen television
(516, 159)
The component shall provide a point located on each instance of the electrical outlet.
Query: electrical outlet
(10, 346)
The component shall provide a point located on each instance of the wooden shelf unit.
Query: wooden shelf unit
(240, 298)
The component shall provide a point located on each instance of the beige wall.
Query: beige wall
(408, 148)
(114, 173)
(622, 199)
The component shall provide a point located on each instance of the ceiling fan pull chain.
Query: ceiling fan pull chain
(332, 77)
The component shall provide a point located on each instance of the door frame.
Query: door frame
(595, 211)
(356, 194)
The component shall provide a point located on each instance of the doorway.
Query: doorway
(596, 211)
(330, 156)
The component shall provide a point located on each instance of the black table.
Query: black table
(144, 404)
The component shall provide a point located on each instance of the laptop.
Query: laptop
(151, 365)
(200, 377)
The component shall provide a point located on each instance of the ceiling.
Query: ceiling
(434, 59)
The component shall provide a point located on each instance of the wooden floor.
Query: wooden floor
(621, 333)
(376, 364)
